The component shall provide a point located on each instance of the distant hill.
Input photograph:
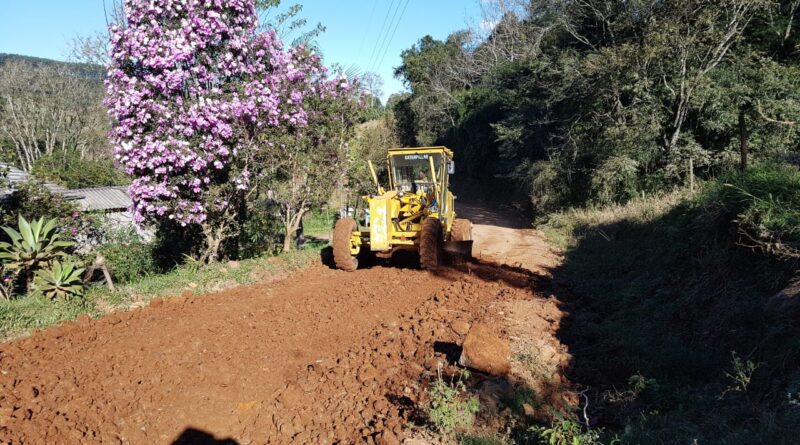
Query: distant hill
(83, 69)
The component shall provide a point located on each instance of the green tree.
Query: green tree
(72, 171)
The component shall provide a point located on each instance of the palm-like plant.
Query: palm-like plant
(60, 281)
(32, 246)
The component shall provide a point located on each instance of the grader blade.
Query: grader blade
(461, 248)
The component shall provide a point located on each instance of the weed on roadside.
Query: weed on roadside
(740, 376)
(567, 432)
(451, 408)
(665, 287)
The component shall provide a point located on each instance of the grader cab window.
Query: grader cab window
(412, 172)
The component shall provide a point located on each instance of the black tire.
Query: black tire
(430, 244)
(461, 230)
(341, 244)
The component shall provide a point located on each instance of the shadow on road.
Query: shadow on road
(488, 215)
(192, 436)
(493, 272)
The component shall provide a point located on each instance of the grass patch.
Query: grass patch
(483, 439)
(211, 278)
(22, 315)
(671, 288)
(319, 223)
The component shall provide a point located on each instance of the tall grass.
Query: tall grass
(766, 205)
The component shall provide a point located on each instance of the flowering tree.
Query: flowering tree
(311, 162)
(196, 94)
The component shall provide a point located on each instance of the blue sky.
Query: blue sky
(355, 28)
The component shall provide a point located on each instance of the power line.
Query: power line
(394, 31)
(380, 34)
(369, 25)
(386, 35)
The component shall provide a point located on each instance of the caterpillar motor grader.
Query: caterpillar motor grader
(415, 213)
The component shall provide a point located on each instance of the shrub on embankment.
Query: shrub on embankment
(683, 322)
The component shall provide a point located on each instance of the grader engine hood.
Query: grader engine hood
(381, 211)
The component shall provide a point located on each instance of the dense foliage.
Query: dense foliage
(601, 101)
(129, 261)
(34, 200)
(72, 171)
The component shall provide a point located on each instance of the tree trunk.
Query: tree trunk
(743, 140)
(290, 225)
(287, 240)
(214, 240)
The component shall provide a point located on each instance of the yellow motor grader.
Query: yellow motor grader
(415, 213)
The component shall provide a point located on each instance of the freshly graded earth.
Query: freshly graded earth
(322, 356)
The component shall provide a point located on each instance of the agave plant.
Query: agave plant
(60, 281)
(32, 246)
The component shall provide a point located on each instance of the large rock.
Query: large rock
(486, 350)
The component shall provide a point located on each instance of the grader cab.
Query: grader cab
(416, 212)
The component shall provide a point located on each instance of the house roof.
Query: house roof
(94, 198)
(103, 198)
(17, 176)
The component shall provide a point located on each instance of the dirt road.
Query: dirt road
(322, 356)
(503, 236)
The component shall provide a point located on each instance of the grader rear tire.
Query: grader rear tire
(341, 244)
(461, 230)
(430, 244)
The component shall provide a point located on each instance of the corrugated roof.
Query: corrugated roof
(94, 198)
(103, 198)
(17, 176)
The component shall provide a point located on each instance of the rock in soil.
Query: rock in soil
(486, 350)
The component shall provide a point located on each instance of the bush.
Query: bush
(260, 234)
(71, 171)
(129, 261)
(764, 203)
(566, 432)
(35, 201)
(174, 243)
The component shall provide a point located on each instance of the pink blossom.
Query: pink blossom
(189, 84)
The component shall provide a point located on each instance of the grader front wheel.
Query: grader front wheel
(430, 244)
(342, 235)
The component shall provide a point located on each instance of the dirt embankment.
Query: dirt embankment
(322, 356)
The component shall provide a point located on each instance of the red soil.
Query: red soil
(322, 356)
